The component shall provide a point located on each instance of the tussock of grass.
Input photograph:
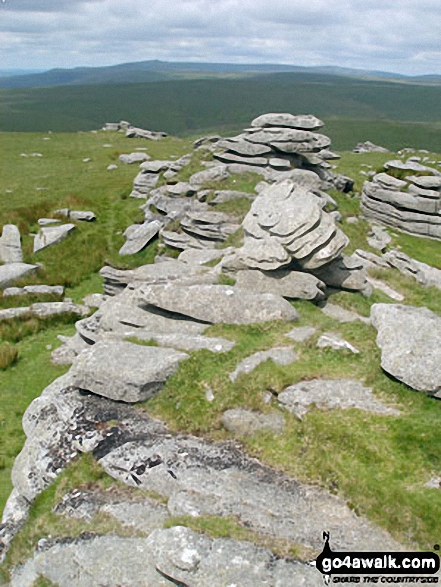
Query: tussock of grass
(8, 355)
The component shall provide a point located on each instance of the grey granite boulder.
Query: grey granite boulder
(10, 244)
(410, 343)
(139, 236)
(218, 303)
(301, 333)
(80, 215)
(52, 235)
(340, 394)
(425, 274)
(124, 371)
(346, 273)
(143, 183)
(283, 282)
(280, 356)
(14, 271)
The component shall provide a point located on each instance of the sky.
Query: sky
(401, 36)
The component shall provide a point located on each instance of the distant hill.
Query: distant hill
(355, 109)
(153, 71)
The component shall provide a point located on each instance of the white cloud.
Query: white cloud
(396, 35)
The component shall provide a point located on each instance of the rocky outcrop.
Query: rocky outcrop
(410, 343)
(133, 132)
(286, 223)
(283, 282)
(412, 205)
(277, 144)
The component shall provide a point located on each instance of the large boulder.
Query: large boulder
(10, 245)
(410, 342)
(124, 371)
(300, 121)
(217, 303)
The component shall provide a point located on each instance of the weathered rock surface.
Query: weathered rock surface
(14, 271)
(218, 173)
(280, 356)
(285, 283)
(378, 238)
(410, 342)
(245, 422)
(218, 303)
(176, 556)
(328, 394)
(124, 371)
(10, 244)
(52, 235)
(143, 183)
(425, 274)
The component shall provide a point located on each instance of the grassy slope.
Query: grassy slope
(378, 464)
(353, 107)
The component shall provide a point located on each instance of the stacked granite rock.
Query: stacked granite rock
(412, 204)
(288, 233)
(11, 256)
(277, 143)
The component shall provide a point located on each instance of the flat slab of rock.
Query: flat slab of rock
(281, 356)
(34, 290)
(328, 394)
(14, 271)
(124, 371)
(80, 215)
(285, 283)
(301, 333)
(300, 121)
(213, 174)
(410, 343)
(218, 303)
(139, 235)
(335, 341)
(52, 235)
(131, 158)
(10, 244)
(245, 422)
(187, 341)
(336, 312)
